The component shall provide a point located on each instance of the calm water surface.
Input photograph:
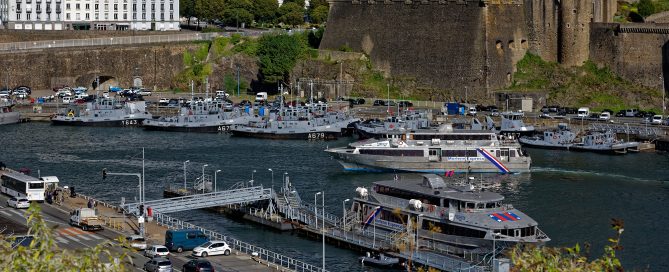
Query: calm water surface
(573, 196)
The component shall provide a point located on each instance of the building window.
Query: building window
(134, 7)
(48, 16)
(162, 16)
(171, 16)
(67, 16)
(88, 17)
(77, 16)
(134, 16)
(106, 16)
(143, 16)
(171, 6)
(115, 16)
(97, 16)
(106, 7)
(18, 16)
(97, 7)
(125, 6)
(153, 16)
(88, 6)
(115, 7)
(162, 7)
(67, 6)
(125, 16)
(37, 16)
(143, 7)
(153, 7)
(77, 6)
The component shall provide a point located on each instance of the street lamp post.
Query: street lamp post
(140, 187)
(203, 183)
(416, 226)
(316, 209)
(185, 186)
(494, 236)
(388, 101)
(343, 206)
(215, 182)
(270, 169)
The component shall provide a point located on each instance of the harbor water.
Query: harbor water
(572, 195)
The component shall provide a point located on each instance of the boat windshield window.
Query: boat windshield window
(480, 205)
(470, 205)
(490, 205)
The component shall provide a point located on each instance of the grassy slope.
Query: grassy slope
(586, 85)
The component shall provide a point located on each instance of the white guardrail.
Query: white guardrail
(18, 46)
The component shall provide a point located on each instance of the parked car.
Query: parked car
(472, 111)
(79, 90)
(24, 88)
(494, 112)
(163, 101)
(21, 94)
(646, 120)
(4, 94)
(212, 248)
(620, 113)
(605, 116)
(144, 92)
(63, 93)
(583, 112)
(657, 119)
(649, 114)
(631, 113)
(157, 250)
(570, 110)
(136, 241)
(158, 264)
(379, 103)
(544, 109)
(199, 265)
(184, 239)
(19, 203)
(405, 104)
(6, 89)
(68, 99)
(638, 114)
(553, 108)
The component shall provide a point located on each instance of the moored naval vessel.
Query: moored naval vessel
(560, 138)
(436, 152)
(7, 114)
(299, 123)
(104, 112)
(202, 116)
(393, 126)
(512, 124)
(448, 218)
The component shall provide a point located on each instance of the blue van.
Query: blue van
(184, 239)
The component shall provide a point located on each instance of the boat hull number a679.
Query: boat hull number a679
(223, 128)
(316, 136)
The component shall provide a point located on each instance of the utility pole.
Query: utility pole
(140, 219)
(238, 80)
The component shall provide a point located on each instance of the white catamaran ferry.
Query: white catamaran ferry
(436, 152)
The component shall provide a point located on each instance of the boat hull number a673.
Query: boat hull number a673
(134, 122)
(316, 136)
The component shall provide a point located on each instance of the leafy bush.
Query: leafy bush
(278, 55)
(345, 48)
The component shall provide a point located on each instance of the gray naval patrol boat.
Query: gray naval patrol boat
(450, 219)
(202, 116)
(104, 112)
(592, 141)
(394, 125)
(300, 123)
(436, 151)
(7, 114)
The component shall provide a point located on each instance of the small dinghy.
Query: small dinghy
(379, 260)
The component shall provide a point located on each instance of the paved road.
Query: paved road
(72, 238)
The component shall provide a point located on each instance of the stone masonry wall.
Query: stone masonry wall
(442, 44)
(45, 69)
(7, 36)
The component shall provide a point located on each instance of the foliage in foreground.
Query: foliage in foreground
(44, 255)
(570, 258)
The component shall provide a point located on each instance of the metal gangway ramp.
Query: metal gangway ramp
(205, 200)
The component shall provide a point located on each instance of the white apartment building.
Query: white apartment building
(90, 14)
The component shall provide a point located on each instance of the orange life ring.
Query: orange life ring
(555, 137)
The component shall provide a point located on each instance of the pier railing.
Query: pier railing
(268, 256)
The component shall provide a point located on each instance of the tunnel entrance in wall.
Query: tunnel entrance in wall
(105, 83)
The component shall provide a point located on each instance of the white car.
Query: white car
(156, 251)
(68, 99)
(19, 203)
(144, 92)
(212, 248)
(21, 94)
(63, 93)
(657, 119)
(136, 242)
(605, 116)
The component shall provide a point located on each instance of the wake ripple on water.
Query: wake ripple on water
(593, 173)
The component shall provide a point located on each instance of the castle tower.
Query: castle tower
(543, 28)
(574, 33)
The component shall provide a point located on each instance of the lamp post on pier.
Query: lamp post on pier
(316, 209)
(185, 186)
(141, 199)
(215, 182)
(343, 206)
(323, 228)
(203, 183)
(270, 169)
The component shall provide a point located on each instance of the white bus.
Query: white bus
(20, 185)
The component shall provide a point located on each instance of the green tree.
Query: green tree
(278, 55)
(237, 17)
(265, 11)
(242, 4)
(291, 14)
(44, 255)
(298, 2)
(646, 8)
(187, 9)
(314, 37)
(319, 15)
